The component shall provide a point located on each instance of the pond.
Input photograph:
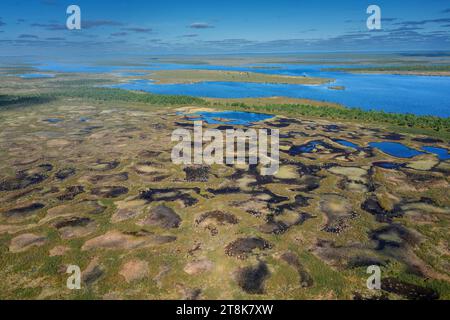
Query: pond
(443, 154)
(389, 165)
(53, 120)
(395, 149)
(230, 117)
(306, 148)
(347, 143)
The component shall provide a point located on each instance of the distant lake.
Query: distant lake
(421, 95)
(36, 75)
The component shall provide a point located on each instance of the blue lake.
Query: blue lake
(36, 75)
(231, 117)
(395, 149)
(419, 95)
(390, 93)
(347, 143)
(443, 154)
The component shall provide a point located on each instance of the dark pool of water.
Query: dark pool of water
(53, 120)
(395, 149)
(388, 165)
(306, 148)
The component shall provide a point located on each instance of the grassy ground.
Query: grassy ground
(34, 274)
(425, 70)
(274, 101)
(192, 76)
(315, 58)
(130, 122)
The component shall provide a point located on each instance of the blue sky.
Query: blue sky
(232, 26)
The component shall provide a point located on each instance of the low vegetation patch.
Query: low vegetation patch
(430, 125)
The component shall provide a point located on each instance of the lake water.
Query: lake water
(395, 149)
(36, 75)
(443, 154)
(231, 117)
(347, 143)
(391, 93)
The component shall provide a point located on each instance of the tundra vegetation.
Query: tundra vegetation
(425, 70)
(192, 76)
(86, 179)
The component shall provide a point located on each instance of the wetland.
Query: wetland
(86, 178)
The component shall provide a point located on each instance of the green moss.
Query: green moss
(26, 293)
